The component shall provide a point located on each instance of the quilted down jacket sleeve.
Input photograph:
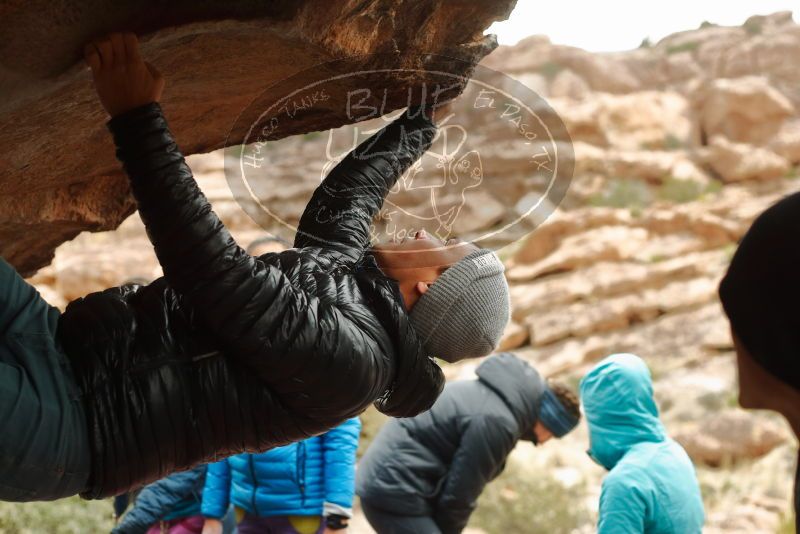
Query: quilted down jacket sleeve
(341, 210)
(158, 499)
(200, 259)
(217, 491)
(339, 447)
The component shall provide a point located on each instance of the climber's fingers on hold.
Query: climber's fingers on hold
(154, 72)
(118, 47)
(158, 79)
(131, 47)
(91, 56)
(106, 52)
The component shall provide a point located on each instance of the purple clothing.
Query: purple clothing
(187, 525)
(277, 524)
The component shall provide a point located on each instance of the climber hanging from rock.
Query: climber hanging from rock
(228, 352)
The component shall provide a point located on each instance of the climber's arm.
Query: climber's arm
(190, 241)
(200, 259)
(341, 210)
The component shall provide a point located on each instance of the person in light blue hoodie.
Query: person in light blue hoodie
(651, 486)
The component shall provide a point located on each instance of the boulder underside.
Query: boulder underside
(225, 64)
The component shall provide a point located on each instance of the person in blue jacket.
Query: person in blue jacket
(170, 505)
(301, 488)
(651, 486)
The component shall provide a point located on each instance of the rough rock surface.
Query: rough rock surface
(729, 437)
(747, 109)
(633, 121)
(58, 175)
(736, 162)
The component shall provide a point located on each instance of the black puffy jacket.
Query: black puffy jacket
(437, 464)
(228, 353)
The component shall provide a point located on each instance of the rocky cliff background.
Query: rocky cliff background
(678, 146)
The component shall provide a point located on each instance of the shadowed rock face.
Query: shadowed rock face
(58, 175)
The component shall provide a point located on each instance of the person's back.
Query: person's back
(407, 463)
(425, 474)
(651, 486)
(409, 480)
(662, 474)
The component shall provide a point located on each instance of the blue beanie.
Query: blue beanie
(554, 415)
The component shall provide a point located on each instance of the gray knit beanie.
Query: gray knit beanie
(464, 312)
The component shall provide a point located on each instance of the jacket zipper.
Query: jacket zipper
(255, 483)
(301, 471)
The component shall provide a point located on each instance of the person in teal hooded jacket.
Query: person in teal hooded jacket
(651, 486)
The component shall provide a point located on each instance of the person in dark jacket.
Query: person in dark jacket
(299, 488)
(172, 506)
(423, 475)
(760, 295)
(230, 353)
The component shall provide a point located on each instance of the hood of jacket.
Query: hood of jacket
(617, 397)
(417, 381)
(518, 384)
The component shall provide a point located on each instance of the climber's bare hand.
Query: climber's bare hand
(123, 80)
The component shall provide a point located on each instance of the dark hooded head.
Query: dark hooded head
(528, 396)
(761, 291)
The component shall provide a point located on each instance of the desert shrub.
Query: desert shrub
(371, 422)
(752, 26)
(786, 526)
(706, 24)
(550, 69)
(623, 193)
(665, 404)
(689, 46)
(646, 43)
(673, 142)
(522, 501)
(66, 516)
(669, 142)
(679, 191)
(712, 401)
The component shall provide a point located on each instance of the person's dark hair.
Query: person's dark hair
(567, 397)
(760, 291)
